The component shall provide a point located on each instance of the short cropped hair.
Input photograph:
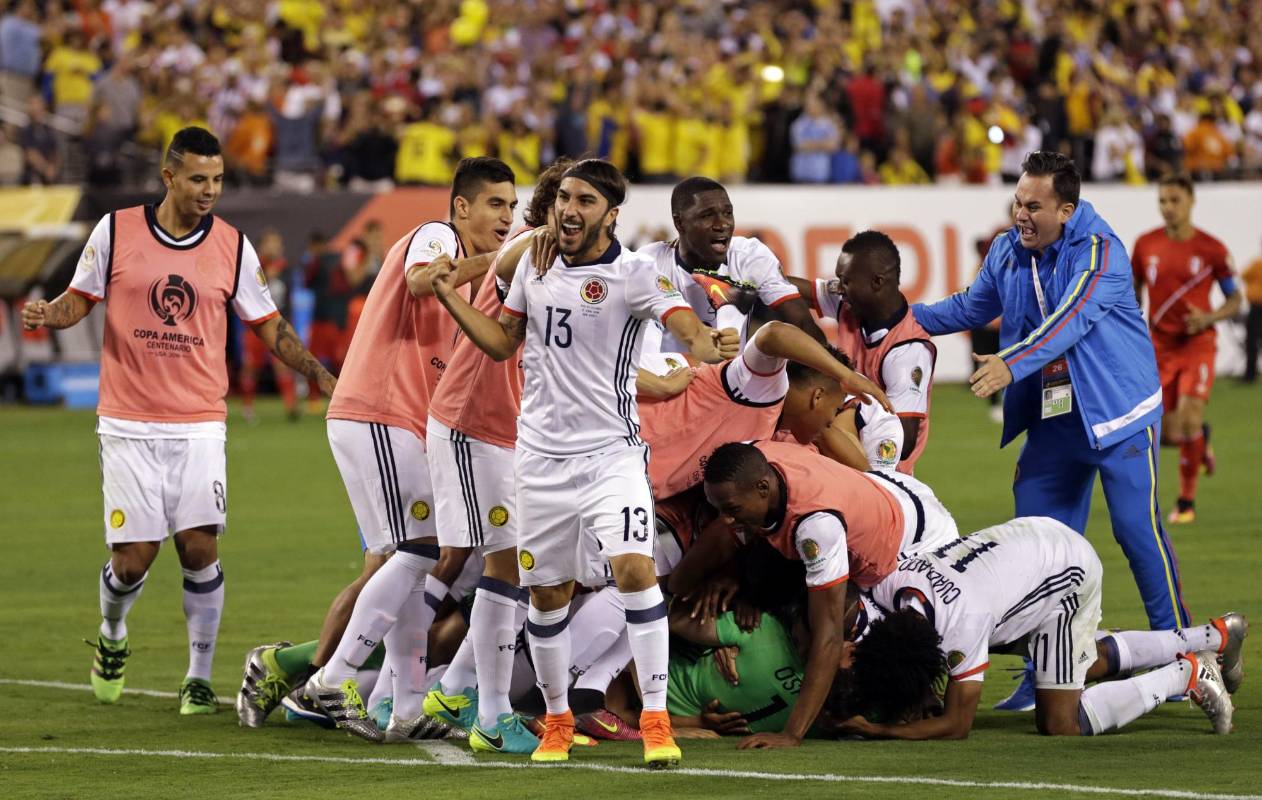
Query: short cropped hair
(1180, 179)
(877, 247)
(686, 191)
(473, 173)
(735, 461)
(1066, 179)
(195, 140)
(800, 374)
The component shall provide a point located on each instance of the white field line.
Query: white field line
(447, 754)
(82, 687)
(788, 777)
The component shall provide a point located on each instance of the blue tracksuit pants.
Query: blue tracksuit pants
(1055, 475)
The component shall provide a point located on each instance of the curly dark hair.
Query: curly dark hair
(896, 665)
(538, 212)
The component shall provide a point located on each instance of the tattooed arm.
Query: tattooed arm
(283, 341)
(63, 312)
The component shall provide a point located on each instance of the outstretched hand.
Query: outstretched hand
(992, 375)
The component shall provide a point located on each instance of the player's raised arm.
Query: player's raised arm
(62, 312)
(281, 338)
(704, 343)
(498, 339)
(783, 340)
(420, 275)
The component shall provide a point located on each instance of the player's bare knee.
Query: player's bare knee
(502, 565)
(197, 548)
(450, 561)
(129, 562)
(633, 572)
(550, 598)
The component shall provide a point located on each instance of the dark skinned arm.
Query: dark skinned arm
(714, 548)
(911, 429)
(798, 314)
(826, 611)
(283, 341)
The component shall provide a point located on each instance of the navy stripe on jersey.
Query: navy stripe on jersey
(915, 501)
(1059, 582)
(622, 373)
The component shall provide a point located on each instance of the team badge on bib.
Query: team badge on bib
(497, 516)
(954, 659)
(117, 518)
(89, 258)
(594, 291)
(434, 247)
(260, 277)
(810, 549)
(886, 450)
(526, 560)
(664, 285)
(420, 510)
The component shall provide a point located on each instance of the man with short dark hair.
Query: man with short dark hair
(168, 272)
(1079, 370)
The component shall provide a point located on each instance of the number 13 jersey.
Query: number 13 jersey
(585, 323)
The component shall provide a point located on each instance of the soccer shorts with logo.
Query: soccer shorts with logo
(1186, 371)
(156, 487)
(386, 473)
(565, 506)
(474, 490)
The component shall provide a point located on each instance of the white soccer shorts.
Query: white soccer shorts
(475, 495)
(156, 487)
(602, 499)
(386, 473)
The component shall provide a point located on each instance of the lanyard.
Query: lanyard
(1038, 285)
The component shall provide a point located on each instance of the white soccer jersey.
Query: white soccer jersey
(996, 586)
(747, 260)
(584, 328)
(880, 434)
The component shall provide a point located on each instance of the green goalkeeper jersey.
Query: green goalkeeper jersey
(770, 673)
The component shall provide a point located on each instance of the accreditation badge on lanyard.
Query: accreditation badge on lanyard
(1058, 389)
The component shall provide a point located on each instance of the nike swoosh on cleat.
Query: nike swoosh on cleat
(455, 712)
(605, 725)
(497, 742)
(717, 293)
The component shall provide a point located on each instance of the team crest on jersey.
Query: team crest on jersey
(420, 511)
(672, 363)
(89, 258)
(434, 247)
(594, 291)
(117, 518)
(526, 560)
(810, 549)
(172, 299)
(887, 450)
(260, 277)
(497, 516)
(954, 659)
(917, 375)
(664, 285)
(833, 286)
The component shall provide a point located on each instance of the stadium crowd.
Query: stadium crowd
(308, 93)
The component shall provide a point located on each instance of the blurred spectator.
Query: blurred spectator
(120, 92)
(254, 354)
(250, 144)
(12, 160)
(295, 116)
(1119, 149)
(39, 145)
(655, 131)
(845, 167)
(326, 275)
(901, 169)
(1206, 151)
(426, 151)
(103, 143)
(72, 65)
(19, 53)
(816, 137)
(1252, 277)
(866, 94)
(1164, 149)
(520, 148)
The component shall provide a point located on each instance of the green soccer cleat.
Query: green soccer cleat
(460, 710)
(263, 685)
(508, 735)
(196, 697)
(107, 668)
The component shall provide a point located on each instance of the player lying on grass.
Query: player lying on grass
(1036, 584)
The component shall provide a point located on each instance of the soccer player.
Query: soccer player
(254, 354)
(1079, 371)
(580, 461)
(1033, 583)
(168, 273)
(376, 429)
(1179, 263)
(470, 437)
(707, 258)
(841, 524)
(875, 329)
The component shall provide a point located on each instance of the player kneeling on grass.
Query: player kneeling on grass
(1031, 580)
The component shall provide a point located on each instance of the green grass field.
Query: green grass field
(291, 546)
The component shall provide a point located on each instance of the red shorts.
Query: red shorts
(328, 343)
(254, 353)
(1185, 372)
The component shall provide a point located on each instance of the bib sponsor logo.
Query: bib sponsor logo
(172, 300)
(498, 515)
(594, 291)
(434, 247)
(420, 510)
(526, 560)
(117, 518)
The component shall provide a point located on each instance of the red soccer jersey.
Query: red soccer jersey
(1178, 276)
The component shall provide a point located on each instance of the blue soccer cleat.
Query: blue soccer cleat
(1022, 698)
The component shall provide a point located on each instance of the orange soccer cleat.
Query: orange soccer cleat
(660, 750)
(558, 737)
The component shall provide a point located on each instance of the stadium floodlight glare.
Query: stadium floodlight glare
(995, 134)
(772, 73)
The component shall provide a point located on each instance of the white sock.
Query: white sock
(116, 600)
(438, 589)
(462, 672)
(608, 665)
(375, 613)
(494, 636)
(382, 686)
(549, 635)
(650, 642)
(203, 608)
(601, 624)
(1132, 651)
(406, 643)
(1106, 706)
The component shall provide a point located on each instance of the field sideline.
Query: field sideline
(291, 545)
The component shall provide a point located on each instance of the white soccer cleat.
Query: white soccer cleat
(1209, 692)
(1234, 628)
